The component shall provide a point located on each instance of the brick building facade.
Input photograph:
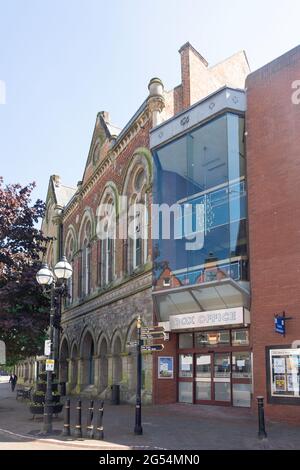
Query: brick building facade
(273, 173)
(224, 139)
(112, 283)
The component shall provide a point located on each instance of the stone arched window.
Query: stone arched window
(106, 231)
(69, 252)
(86, 260)
(137, 240)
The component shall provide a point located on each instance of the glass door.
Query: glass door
(222, 378)
(203, 378)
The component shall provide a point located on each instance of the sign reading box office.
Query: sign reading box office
(212, 318)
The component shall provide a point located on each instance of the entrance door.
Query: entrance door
(222, 378)
(203, 378)
(213, 378)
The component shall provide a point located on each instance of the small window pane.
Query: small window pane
(241, 395)
(185, 340)
(203, 390)
(212, 338)
(241, 365)
(240, 337)
(222, 365)
(222, 391)
(185, 365)
(203, 366)
(185, 392)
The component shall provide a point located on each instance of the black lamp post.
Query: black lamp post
(45, 277)
(138, 407)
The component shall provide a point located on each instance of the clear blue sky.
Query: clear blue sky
(65, 60)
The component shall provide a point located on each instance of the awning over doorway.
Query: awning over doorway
(222, 294)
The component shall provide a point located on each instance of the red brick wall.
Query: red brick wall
(117, 174)
(273, 172)
(165, 390)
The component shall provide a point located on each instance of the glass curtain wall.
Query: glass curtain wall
(203, 174)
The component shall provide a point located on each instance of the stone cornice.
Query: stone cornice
(128, 288)
(109, 160)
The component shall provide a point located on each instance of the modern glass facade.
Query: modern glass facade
(203, 173)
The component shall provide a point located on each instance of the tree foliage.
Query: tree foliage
(23, 307)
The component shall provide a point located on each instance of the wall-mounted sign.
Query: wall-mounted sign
(47, 347)
(165, 368)
(50, 365)
(223, 317)
(2, 353)
(280, 323)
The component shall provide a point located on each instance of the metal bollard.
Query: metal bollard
(66, 430)
(78, 430)
(89, 425)
(261, 418)
(99, 434)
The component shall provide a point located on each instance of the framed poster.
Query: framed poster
(165, 367)
(284, 372)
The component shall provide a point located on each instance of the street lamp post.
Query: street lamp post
(138, 407)
(45, 277)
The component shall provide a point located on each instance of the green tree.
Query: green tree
(23, 306)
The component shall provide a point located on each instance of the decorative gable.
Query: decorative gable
(104, 136)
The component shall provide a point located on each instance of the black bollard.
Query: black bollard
(99, 434)
(89, 425)
(261, 418)
(78, 430)
(67, 431)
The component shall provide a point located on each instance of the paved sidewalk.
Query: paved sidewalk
(168, 427)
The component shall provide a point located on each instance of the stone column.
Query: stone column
(125, 378)
(80, 379)
(110, 369)
(29, 371)
(97, 372)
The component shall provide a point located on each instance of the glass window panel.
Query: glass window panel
(207, 167)
(222, 391)
(241, 365)
(203, 390)
(212, 338)
(222, 365)
(184, 302)
(241, 395)
(185, 340)
(203, 366)
(185, 365)
(240, 337)
(185, 392)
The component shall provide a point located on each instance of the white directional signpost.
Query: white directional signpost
(47, 347)
(153, 347)
(149, 334)
(145, 335)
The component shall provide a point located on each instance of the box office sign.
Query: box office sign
(223, 317)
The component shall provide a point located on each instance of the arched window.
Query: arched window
(137, 221)
(86, 261)
(69, 250)
(107, 237)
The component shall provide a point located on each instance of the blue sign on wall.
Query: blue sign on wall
(279, 325)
